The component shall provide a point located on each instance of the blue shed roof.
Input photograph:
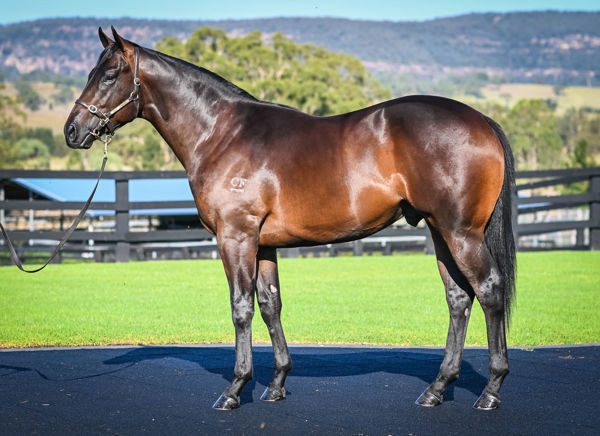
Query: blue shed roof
(139, 190)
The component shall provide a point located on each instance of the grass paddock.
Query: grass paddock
(368, 300)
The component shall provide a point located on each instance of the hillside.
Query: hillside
(552, 47)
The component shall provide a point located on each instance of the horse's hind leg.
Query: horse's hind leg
(459, 296)
(269, 300)
(474, 260)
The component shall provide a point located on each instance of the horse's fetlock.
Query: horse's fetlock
(449, 375)
(244, 375)
(284, 367)
(499, 367)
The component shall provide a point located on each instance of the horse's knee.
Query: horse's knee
(242, 315)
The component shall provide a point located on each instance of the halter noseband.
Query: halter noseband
(105, 117)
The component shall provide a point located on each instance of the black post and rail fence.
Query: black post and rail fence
(537, 216)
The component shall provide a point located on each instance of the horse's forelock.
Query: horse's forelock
(106, 54)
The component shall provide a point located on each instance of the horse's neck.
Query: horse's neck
(186, 110)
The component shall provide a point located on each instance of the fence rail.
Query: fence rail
(532, 204)
(121, 242)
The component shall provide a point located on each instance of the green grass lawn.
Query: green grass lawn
(371, 300)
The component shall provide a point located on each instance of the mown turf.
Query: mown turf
(376, 300)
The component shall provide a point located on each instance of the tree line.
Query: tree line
(310, 78)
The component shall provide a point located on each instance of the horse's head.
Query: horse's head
(110, 97)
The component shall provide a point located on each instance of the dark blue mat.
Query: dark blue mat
(332, 390)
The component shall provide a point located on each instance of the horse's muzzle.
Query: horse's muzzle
(73, 138)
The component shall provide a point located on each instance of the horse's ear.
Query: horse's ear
(118, 39)
(105, 40)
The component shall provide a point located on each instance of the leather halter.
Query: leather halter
(105, 117)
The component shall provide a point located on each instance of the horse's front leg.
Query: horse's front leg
(238, 251)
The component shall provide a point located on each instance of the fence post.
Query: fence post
(357, 248)
(2, 199)
(515, 216)
(122, 220)
(332, 251)
(293, 252)
(594, 189)
(429, 247)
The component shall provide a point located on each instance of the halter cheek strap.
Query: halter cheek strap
(105, 117)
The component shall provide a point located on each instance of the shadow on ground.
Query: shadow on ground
(335, 363)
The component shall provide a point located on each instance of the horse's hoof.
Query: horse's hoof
(271, 394)
(427, 399)
(487, 401)
(226, 403)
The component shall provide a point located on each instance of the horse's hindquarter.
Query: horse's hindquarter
(449, 158)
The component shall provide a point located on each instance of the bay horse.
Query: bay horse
(266, 176)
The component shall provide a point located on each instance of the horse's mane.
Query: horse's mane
(202, 73)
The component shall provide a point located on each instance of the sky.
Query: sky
(12, 11)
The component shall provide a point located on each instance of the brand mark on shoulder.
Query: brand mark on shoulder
(238, 184)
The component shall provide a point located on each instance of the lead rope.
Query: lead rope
(70, 230)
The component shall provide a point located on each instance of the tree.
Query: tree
(64, 96)
(44, 134)
(33, 153)
(152, 155)
(559, 89)
(577, 125)
(9, 129)
(532, 129)
(75, 161)
(582, 155)
(304, 76)
(31, 99)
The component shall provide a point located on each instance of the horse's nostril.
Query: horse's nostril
(72, 132)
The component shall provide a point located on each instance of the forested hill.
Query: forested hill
(529, 46)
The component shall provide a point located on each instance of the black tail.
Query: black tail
(499, 236)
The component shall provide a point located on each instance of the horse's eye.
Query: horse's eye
(110, 78)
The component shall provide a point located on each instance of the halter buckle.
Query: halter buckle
(107, 138)
(93, 109)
